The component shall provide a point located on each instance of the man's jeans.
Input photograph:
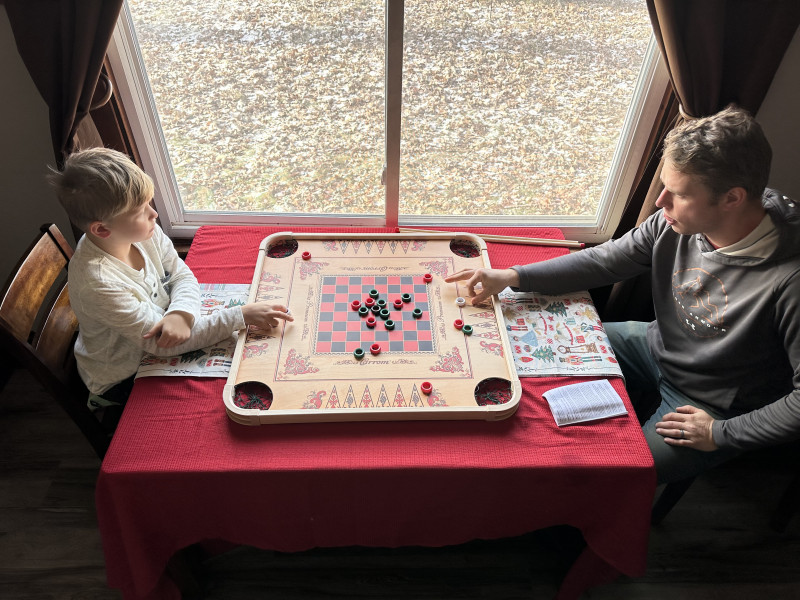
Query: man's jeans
(649, 390)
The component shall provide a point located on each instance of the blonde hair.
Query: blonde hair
(99, 184)
(726, 150)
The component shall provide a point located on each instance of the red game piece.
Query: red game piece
(369, 302)
(398, 303)
(458, 323)
(370, 321)
(427, 278)
(306, 255)
(375, 349)
(355, 304)
(426, 387)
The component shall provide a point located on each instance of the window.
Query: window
(366, 112)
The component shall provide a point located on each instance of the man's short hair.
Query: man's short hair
(99, 184)
(725, 150)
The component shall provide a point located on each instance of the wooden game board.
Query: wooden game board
(306, 370)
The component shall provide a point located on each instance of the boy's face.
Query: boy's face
(136, 225)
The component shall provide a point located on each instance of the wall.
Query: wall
(25, 148)
(779, 115)
(25, 152)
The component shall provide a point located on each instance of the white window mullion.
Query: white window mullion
(394, 95)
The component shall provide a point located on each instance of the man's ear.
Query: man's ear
(735, 197)
(99, 229)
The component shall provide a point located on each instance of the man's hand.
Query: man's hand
(264, 315)
(488, 281)
(173, 329)
(689, 427)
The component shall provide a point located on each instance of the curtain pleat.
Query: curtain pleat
(63, 44)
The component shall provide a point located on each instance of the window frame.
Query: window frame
(136, 95)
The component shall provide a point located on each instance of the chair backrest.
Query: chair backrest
(38, 328)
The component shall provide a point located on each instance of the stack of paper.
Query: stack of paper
(587, 401)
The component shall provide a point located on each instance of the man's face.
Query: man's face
(689, 205)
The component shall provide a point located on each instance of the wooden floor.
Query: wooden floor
(715, 544)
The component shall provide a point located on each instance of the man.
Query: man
(723, 355)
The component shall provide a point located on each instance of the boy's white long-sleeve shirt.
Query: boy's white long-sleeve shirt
(117, 304)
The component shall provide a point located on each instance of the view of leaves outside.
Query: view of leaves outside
(510, 107)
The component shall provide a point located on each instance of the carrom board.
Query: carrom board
(306, 370)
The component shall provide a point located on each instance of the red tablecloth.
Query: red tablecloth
(180, 472)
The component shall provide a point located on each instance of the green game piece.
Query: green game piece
(382, 303)
(363, 311)
(406, 297)
(389, 324)
(417, 314)
(467, 329)
(384, 314)
(374, 294)
(358, 353)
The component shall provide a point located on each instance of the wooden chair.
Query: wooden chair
(38, 329)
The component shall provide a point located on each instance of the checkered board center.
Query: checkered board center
(341, 329)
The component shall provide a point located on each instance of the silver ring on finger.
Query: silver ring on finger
(683, 434)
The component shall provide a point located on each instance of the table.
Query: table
(179, 471)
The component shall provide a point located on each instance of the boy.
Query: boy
(129, 289)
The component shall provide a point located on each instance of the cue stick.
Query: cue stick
(507, 239)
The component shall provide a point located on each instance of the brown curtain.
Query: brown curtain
(63, 44)
(717, 52)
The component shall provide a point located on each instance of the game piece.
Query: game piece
(371, 321)
(355, 304)
(417, 313)
(358, 353)
(384, 314)
(363, 311)
(306, 255)
(398, 304)
(426, 387)
(406, 297)
(460, 301)
(427, 278)
(376, 309)
(458, 323)
(389, 324)
(369, 302)
(374, 294)
(381, 302)
(467, 329)
(375, 349)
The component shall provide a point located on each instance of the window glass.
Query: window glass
(269, 106)
(515, 108)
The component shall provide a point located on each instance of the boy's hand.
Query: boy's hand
(264, 315)
(172, 330)
(491, 281)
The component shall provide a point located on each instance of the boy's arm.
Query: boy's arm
(181, 284)
(217, 326)
(131, 318)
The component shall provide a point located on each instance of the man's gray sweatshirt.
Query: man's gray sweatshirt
(727, 329)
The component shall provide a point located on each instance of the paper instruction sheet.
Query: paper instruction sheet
(587, 401)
